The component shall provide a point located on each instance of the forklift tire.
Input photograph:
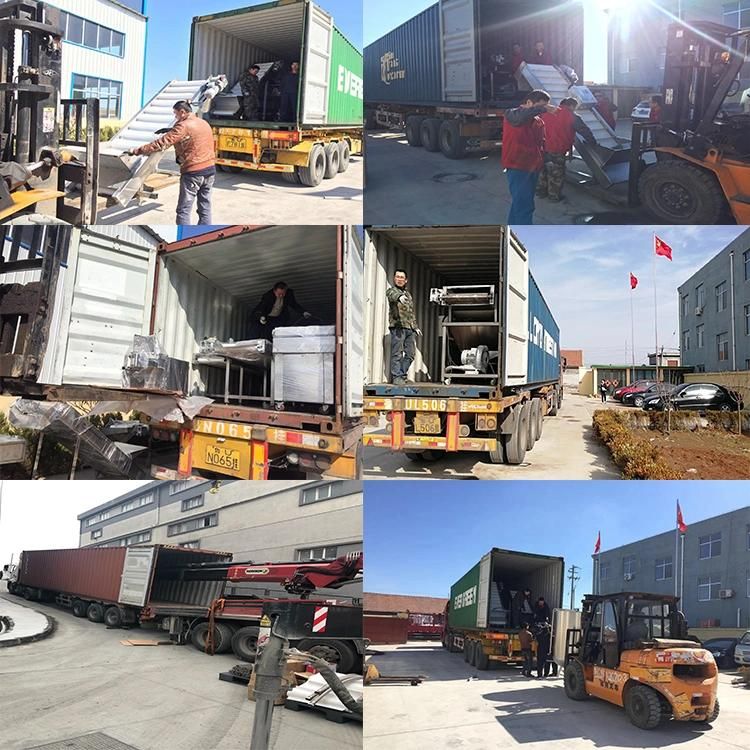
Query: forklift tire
(452, 143)
(575, 681)
(332, 160)
(531, 436)
(332, 651)
(95, 612)
(676, 192)
(113, 617)
(344, 155)
(79, 608)
(222, 637)
(312, 174)
(711, 718)
(428, 132)
(413, 130)
(643, 706)
(481, 660)
(245, 643)
(514, 444)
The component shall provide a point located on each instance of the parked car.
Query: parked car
(634, 386)
(638, 396)
(723, 651)
(742, 650)
(697, 397)
(642, 110)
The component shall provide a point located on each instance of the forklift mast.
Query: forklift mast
(30, 79)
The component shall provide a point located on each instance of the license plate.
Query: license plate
(427, 424)
(425, 404)
(222, 458)
(234, 143)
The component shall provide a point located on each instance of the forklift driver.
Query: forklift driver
(637, 628)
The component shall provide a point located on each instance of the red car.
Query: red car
(638, 385)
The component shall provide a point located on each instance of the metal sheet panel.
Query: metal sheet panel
(483, 593)
(544, 339)
(316, 66)
(346, 91)
(354, 324)
(515, 313)
(459, 47)
(136, 575)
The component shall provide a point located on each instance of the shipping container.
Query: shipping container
(386, 629)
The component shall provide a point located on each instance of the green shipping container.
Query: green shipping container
(345, 93)
(464, 597)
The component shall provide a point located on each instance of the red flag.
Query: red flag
(598, 546)
(661, 248)
(681, 525)
(633, 281)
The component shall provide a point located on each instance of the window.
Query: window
(748, 538)
(108, 92)
(316, 553)
(700, 368)
(628, 565)
(737, 14)
(194, 544)
(747, 320)
(81, 31)
(603, 571)
(686, 341)
(192, 502)
(192, 524)
(746, 264)
(699, 336)
(315, 494)
(709, 546)
(663, 568)
(128, 541)
(722, 346)
(700, 296)
(96, 533)
(685, 305)
(125, 507)
(708, 588)
(722, 296)
(183, 484)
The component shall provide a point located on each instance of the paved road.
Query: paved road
(458, 707)
(566, 450)
(20, 621)
(83, 680)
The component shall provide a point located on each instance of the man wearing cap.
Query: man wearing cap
(250, 86)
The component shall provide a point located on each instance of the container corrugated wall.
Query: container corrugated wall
(544, 339)
(345, 92)
(404, 65)
(545, 579)
(465, 594)
(91, 573)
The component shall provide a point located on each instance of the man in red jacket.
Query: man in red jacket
(606, 109)
(523, 153)
(540, 56)
(560, 128)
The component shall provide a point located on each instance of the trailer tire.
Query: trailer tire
(331, 650)
(292, 177)
(79, 607)
(312, 175)
(222, 637)
(113, 617)
(95, 612)
(643, 706)
(345, 153)
(538, 415)
(481, 660)
(468, 645)
(29, 594)
(413, 130)
(428, 132)
(332, 160)
(514, 445)
(531, 436)
(575, 681)
(245, 643)
(452, 143)
(554, 405)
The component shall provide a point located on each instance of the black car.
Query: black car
(698, 397)
(638, 397)
(723, 651)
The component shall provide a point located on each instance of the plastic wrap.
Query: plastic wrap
(304, 339)
(252, 350)
(148, 368)
(303, 364)
(160, 409)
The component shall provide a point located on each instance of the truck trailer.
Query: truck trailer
(487, 368)
(478, 619)
(177, 590)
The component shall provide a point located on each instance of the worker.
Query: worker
(655, 108)
(193, 143)
(540, 55)
(523, 153)
(606, 109)
(637, 629)
(402, 324)
(542, 611)
(603, 390)
(560, 128)
(289, 89)
(522, 608)
(275, 311)
(516, 58)
(543, 643)
(526, 638)
(250, 86)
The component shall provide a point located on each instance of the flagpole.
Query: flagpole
(682, 569)
(632, 332)
(656, 323)
(676, 548)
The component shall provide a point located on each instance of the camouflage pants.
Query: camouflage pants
(552, 177)
(250, 107)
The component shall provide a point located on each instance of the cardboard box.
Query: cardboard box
(288, 681)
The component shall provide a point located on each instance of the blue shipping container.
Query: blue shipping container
(544, 339)
(404, 65)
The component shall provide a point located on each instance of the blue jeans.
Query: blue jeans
(522, 186)
(192, 186)
(403, 349)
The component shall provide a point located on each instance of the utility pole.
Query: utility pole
(573, 577)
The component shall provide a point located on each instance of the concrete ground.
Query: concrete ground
(20, 623)
(411, 186)
(82, 680)
(459, 707)
(566, 450)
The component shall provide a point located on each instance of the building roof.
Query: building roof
(400, 603)
(127, 8)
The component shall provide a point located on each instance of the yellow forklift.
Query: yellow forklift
(633, 650)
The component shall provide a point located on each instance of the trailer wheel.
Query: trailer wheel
(481, 660)
(344, 155)
(333, 651)
(451, 142)
(679, 193)
(554, 405)
(292, 177)
(531, 436)
(643, 706)
(113, 617)
(468, 645)
(538, 416)
(332, 160)
(79, 608)
(95, 612)
(245, 643)
(413, 130)
(575, 681)
(29, 594)
(312, 175)
(514, 445)
(222, 637)
(428, 132)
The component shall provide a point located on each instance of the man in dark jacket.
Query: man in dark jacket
(402, 324)
(523, 611)
(250, 87)
(542, 612)
(543, 636)
(275, 311)
(289, 89)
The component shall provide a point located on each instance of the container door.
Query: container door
(136, 575)
(458, 42)
(354, 320)
(515, 307)
(317, 65)
(483, 595)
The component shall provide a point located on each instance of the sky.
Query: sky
(42, 515)
(583, 273)
(169, 33)
(383, 15)
(421, 537)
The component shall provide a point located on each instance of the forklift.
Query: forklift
(701, 172)
(37, 126)
(633, 650)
